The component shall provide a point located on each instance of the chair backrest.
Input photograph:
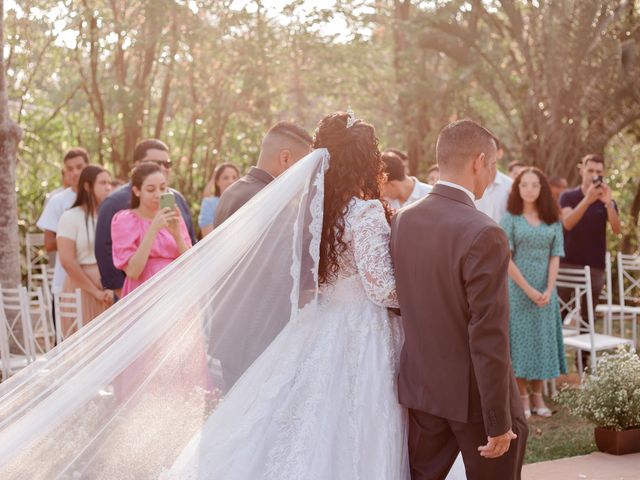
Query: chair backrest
(578, 281)
(607, 292)
(35, 253)
(68, 308)
(19, 333)
(41, 320)
(5, 355)
(43, 278)
(629, 279)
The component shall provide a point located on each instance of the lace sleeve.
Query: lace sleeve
(371, 236)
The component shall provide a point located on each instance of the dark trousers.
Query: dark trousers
(434, 444)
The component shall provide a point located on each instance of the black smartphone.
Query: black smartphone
(597, 180)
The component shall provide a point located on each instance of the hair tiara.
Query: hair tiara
(351, 118)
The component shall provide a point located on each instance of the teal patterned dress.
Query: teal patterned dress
(535, 333)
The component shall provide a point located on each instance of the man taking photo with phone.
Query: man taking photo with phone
(586, 210)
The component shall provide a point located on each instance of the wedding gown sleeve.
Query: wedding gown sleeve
(371, 236)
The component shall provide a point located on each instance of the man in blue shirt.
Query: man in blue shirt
(150, 150)
(585, 212)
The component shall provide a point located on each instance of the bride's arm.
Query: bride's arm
(371, 236)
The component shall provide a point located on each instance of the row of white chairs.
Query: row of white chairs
(628, 283)
(27, 329)
(579, 332)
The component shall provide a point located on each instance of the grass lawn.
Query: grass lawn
(559, 436)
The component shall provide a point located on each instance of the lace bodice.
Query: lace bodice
(367, 234)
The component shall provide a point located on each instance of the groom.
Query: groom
(451, 271)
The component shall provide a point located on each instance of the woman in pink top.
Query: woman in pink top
(145, 237)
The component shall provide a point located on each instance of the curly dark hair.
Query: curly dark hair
(548, 209)
(355, 170)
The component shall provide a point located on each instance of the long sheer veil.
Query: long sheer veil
(122, 397)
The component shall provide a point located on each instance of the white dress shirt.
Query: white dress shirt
(494, 200)
(53, 210)
(420, 190)
(458, 187)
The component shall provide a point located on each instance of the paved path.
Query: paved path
(595, 466)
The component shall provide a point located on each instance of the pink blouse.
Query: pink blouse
(127, 232)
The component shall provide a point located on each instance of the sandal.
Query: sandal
(541, 411)
(525, 403)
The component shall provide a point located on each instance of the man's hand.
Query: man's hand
(605, 194)
(594, 193)
(497, 446)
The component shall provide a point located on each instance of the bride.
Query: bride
(293, 292)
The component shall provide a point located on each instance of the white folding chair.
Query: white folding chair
(629, 291)
(36, 255)
(16, 336)
(68, 308)
(606, 307)
(42, 279)
(579, 280)
(41, 321)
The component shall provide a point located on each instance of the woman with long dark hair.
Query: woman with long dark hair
(224, 176)
(536, 239)
(147, 238)
(76, 239)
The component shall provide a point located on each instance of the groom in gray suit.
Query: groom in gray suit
(455, 375)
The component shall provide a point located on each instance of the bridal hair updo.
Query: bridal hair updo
(355, 170)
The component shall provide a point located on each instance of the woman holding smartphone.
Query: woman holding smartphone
(147, 237)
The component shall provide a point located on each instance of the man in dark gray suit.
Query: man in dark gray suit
(284, 144)
(451, 271)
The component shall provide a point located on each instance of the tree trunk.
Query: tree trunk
(10, 135)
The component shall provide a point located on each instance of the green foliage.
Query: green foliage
(210, 77)
(610, 397)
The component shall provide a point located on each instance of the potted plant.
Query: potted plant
(610, 398)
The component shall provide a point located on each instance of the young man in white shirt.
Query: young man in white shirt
(400, 189)
(74, 162)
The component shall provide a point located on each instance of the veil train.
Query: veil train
(123, 396)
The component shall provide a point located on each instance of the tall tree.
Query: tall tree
(563, 74)
(10, 135)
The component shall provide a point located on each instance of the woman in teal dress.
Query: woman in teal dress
(535, 236)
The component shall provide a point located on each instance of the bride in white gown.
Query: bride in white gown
(297, 301)
(321, 402)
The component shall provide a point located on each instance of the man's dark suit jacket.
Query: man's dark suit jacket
(451, 271)
(240, 193)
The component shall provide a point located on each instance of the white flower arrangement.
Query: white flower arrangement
(610, 398)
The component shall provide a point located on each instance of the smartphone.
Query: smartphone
(597, 180)
(167, 200)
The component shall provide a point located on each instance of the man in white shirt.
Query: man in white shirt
(494, 200)
(401, 190)
(74, 162)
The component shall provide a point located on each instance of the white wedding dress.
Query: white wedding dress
(316, 396)
(321, 402)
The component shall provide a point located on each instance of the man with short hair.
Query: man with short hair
(455, 375)
(514, 168)
(74, 162)
(147, 151)
(403, 156)
(284, 144)
(399, 189)
(586, 210)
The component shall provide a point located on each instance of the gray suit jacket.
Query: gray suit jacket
(240, 193)
(451, 265)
